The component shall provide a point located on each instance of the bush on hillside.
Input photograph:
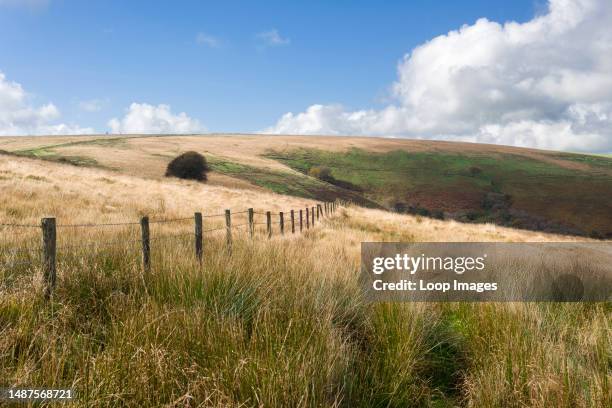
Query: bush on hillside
(322, 173)
(189, 165)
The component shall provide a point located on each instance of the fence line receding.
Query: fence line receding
(49, 233)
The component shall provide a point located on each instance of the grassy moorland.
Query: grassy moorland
(568, 193)
(521, 188)
(277, 322)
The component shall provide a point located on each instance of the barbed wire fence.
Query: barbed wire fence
(46, 256)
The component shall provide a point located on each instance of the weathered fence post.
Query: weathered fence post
(312, 215)
(301, 226)
(307, 218)
(228, 229)
(49, 254)
(251, 226)
(292, 222)
(318, 211)
(197, 217)
(146, 244)
(269, 224)
(281, 220)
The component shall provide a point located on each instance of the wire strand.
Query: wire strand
(19, 225)
(114, 224)
(162, 221)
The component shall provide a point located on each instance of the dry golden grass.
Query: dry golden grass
(147, 155)
(33, 189)
(273, 323)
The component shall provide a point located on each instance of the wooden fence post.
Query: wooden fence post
(292, 222)
(312, 215)
(318, 211)
(307, 218)
(198, 235)
(301, 226)
(228, 229)
(146, 244)
(251, 226)
(269, 224)
(49, 254)
(281, 220)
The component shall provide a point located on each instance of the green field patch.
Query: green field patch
(48, 149)
(404, 171)
(508, 189)
(51, 155)
(282, 182)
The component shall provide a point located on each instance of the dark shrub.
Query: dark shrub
(418, 210)
(189, 165)
(322, 173)
(400, 207)
(596, 234)
(437, 214)
(472, 215)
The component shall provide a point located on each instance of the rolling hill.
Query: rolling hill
(522, 188)
(273, 322)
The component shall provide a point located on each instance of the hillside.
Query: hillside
(522, 188)
(277, 322)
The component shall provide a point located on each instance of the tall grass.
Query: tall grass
(282, 323)
(273, 323)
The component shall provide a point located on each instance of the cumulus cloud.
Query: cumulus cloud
(545, 83)
(272, 38)
(19, 117)
(144, 118)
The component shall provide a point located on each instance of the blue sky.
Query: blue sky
(119, 52)
(534, 73)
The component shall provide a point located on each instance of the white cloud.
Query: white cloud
(144, 118)
(19, 117)
(272, 38)
(92, 105)
(208, 40)
(545, 83)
